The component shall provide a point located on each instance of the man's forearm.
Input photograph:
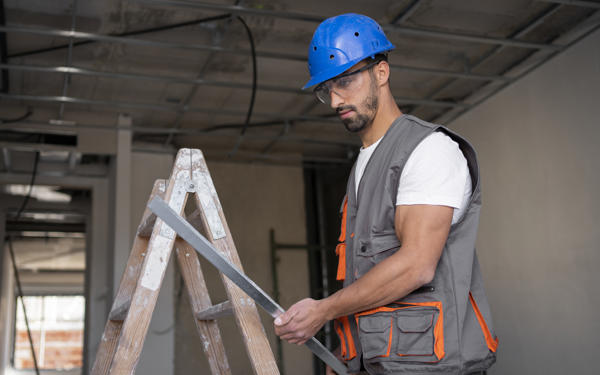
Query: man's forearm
(388, 281)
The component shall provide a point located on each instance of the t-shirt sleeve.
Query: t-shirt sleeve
(435, 173)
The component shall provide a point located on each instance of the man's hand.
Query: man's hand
(301, 321)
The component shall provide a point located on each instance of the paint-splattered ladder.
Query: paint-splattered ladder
(127, 325)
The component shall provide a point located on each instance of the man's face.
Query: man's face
(355, 97)
(357, 117)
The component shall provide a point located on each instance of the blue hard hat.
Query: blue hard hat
(342, 41)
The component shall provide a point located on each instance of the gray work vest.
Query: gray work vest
(444, 327)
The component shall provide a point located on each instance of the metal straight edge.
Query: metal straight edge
(207, 250)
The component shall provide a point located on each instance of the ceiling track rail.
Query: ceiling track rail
(208, 48)
(390, 28)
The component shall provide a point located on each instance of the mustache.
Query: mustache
(343, 108)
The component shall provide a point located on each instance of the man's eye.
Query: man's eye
(343, 82)
(322, 89)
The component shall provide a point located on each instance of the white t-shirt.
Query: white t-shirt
(436, 173)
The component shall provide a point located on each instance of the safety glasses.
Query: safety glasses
(342, 85)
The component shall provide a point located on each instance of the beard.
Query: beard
(363, 118)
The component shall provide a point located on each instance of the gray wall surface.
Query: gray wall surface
(538, 146)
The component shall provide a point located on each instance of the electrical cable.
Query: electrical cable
(14, 262)
(128, 33)
(253, 96)
(31, 183)
(20, 118)
(20, 291)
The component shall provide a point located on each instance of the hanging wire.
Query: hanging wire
(14, 262)
(17, 119)
(253, 96)
(20, 291)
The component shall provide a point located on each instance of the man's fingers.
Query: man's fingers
(284, 318)
(329, 371)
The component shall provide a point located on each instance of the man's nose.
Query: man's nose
(336, 100)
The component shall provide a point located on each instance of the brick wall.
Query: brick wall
(63, 349)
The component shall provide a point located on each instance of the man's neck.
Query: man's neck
(387, 112)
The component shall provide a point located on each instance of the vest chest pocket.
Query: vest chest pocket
(372, 253)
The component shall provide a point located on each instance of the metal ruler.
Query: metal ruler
(186, 231)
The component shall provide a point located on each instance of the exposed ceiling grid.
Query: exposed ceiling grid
(182, 69)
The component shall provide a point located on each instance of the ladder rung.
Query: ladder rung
(216, 311)
(119, 313)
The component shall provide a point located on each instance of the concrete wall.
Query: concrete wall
(255, 198)
(538, 144)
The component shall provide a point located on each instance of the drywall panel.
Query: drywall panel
(539, 240)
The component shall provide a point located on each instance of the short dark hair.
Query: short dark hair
(381, 57)
(378, 57)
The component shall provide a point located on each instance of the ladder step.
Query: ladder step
(119, 313)
(216, 311)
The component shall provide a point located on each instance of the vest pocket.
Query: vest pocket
(376, 335)
(342, 328)
(403, 332)
(415, 334)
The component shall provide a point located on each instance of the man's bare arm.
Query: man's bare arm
(423, 230)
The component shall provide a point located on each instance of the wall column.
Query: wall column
(122, 208)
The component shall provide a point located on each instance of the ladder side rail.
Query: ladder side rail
(245, 311)
(160, 246)
(112, 329)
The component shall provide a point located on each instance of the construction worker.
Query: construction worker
(413, 299)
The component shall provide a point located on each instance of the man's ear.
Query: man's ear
(382, 73)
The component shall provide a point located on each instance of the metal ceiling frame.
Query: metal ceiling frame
(163, 107)
(500, 43)
(237, 51)
(67, 76)
(578, 3)
(522, 74)
(522, 31)
(88, 72)
(36, 126)
(390, 28)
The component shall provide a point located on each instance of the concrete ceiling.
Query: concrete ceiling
(185, 77)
